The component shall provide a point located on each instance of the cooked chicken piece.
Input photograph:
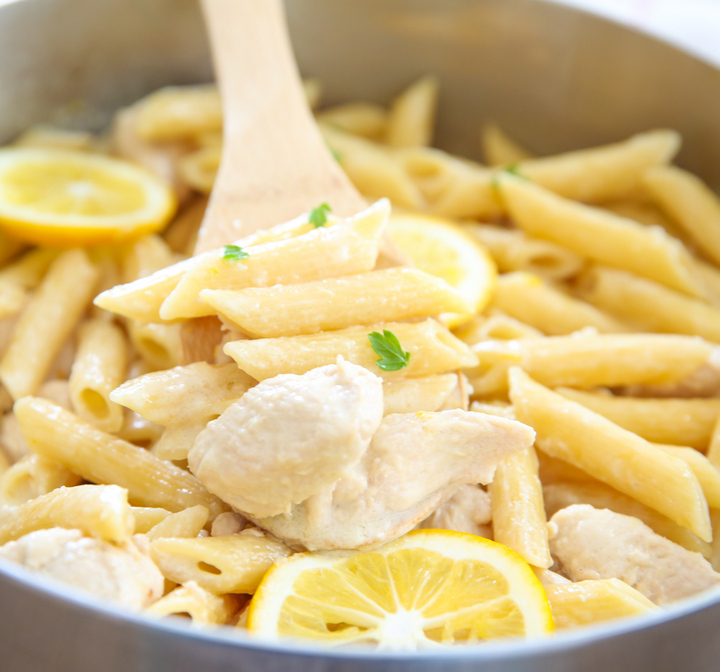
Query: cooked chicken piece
(289, 438)
(415, 463)
(590, 543)
(468, 510)
(124, 574)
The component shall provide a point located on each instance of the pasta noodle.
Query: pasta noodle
(99, 367)
(518, 508)
(57, 434)
(432, 348)
(336, 303)
(60, 301)
(99, 510)
(611, 454)
(220, 565)
(601, 236)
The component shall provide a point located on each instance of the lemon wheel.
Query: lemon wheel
(440, 247)
(65, 198)
(428, 588)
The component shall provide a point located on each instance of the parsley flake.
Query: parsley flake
(512, 169)
(392, 356)
(318, 216)
(234, 252)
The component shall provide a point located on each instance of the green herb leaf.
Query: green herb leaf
(512, 169)
(392, 356)
(234, 252)
(318, 216)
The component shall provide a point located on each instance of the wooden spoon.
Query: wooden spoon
(275, 164)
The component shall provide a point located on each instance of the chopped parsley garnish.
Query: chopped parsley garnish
(234, 252)
(392, 356)
(512, 169)
(318, 216)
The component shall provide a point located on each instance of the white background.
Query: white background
(693, 25)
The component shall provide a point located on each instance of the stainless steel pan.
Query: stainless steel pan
(554, 77)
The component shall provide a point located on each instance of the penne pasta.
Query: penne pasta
(562, 494)
(601, 236)
(203, 607)
(605, 173)
(33, 476)
(220, 565)
(29, 270)
(146, 256)
(595, 601)
(157, 344)
(690, 203)
(147, 517)
(60, 301)
(428, 393)
(141, 299)
(367, 120)
(137, 430)
(320, 253)
(499, 149)
(648, 214)
(518, 511)
(589, 360)
(495, 326)
(101, 458)
(178, 438)
(708, 476)
(611, 454)
(179, 113)
(199, 168)
(336, 303)
(411, 120)
(13, 298)
(432, 348)
(100, 366)
(184, 524)
(683, 422)
(373, 169)
(650, 305)
(513, 250)
(97, 510)
(192, 393)
(539, 304)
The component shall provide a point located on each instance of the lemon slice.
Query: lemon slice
(428, 588)
(61, 197)
(440, 247)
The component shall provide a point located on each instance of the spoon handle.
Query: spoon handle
(275, 164)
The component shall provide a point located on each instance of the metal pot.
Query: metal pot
(556, 79)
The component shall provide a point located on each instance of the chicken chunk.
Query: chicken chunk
(468, 510)
(415, 463)
(289, 438)
(590, 543)
(123, 574)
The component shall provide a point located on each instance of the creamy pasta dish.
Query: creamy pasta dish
(507, 428)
